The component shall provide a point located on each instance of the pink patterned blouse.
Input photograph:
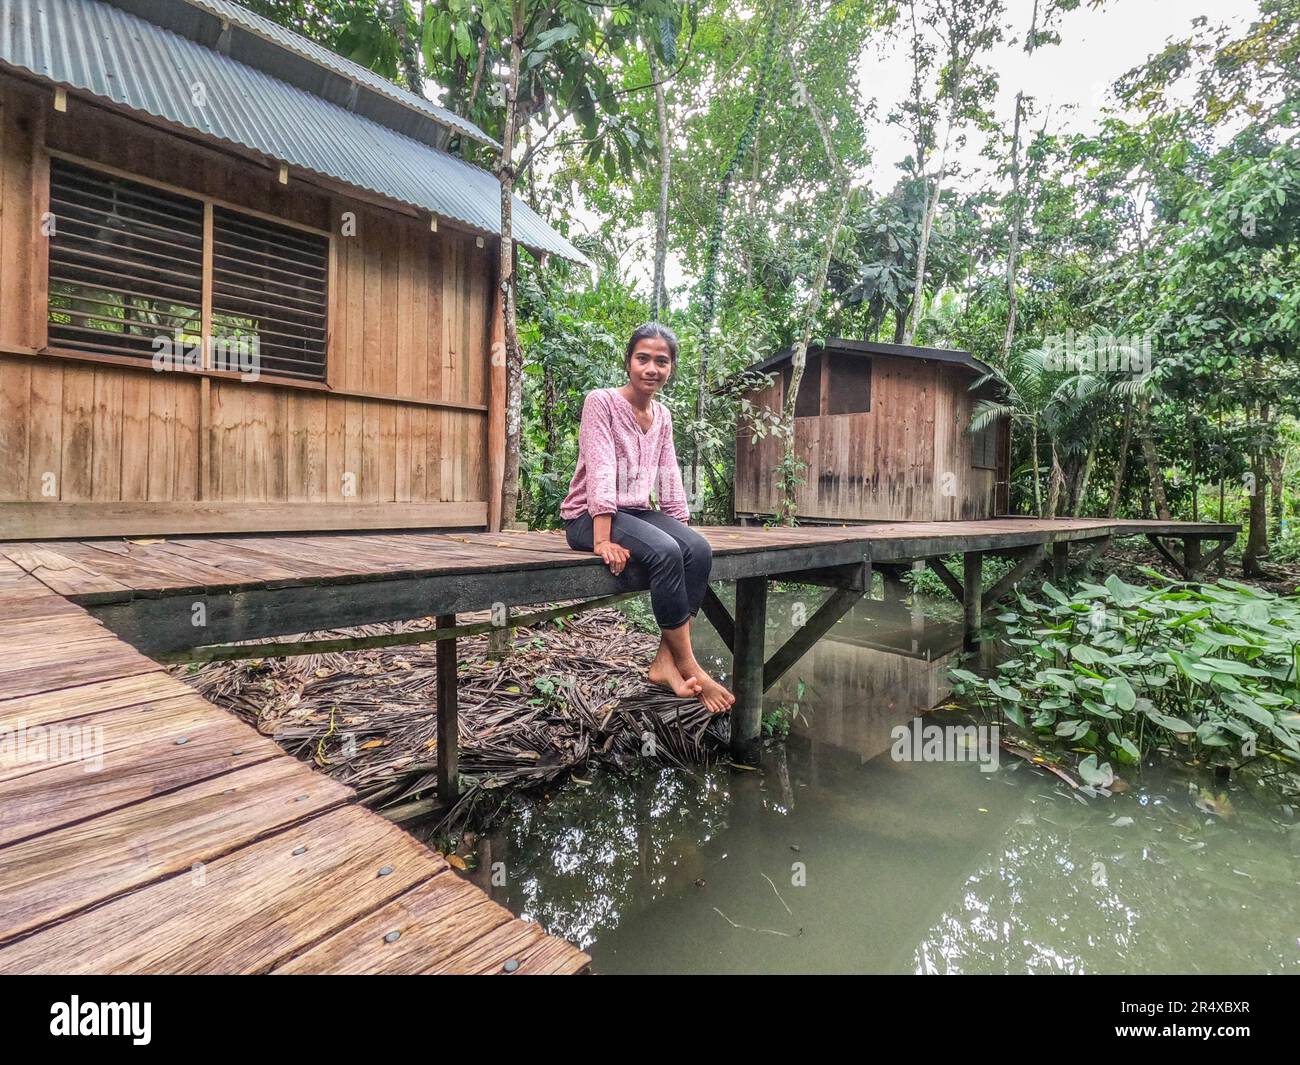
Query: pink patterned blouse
(619, 464)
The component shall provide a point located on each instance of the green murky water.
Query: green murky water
(835, 857)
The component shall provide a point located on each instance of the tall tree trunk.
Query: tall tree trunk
(1033, 458)
(479, 66)
(513, 354)
(1017, 215)
(1055, 483)
(1221, 478)
(923, 246)
(408, 54)
(1121, 459)
(1017, 205)
(1085, 475)
(1155, 475)
(1257, 533)
(659, 298)
(747, 251)
(530, 177)
(1275, 472)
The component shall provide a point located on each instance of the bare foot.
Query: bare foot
(664, 673)
(713, 695)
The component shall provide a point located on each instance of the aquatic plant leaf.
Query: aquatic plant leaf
(1123, 594)
(1119, 692)
(1087, 654)
(1050, 589)
(1099, 776)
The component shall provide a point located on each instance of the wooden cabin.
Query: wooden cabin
(883, 432)
(244, 284)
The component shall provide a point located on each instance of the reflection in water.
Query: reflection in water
(834, 858)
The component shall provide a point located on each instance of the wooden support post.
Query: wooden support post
(448, 741)
(972, 598)
(498, 641)
(1060, 561)
(918, 608)
(747, 668)
(894, 589)
(1192, 557)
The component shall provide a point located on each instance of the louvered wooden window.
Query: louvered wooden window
(268, 284)
(127, 268)
(126, 263)
(984, 447)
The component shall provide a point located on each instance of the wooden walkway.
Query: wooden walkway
(144, 830)
(199, 846)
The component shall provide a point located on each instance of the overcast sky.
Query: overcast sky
(1072, 79)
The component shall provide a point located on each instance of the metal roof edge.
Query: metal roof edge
(289, 42)
(848, 346)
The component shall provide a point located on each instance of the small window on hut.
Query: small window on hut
(269, 294)
(809, 403)
(984, 447)
(126, 263)
(849, 390)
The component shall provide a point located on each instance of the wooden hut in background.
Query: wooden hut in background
(182, 183)
(883, 432)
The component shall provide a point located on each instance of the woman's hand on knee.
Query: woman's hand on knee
(614, 556)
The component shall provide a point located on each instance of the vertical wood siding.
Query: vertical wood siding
(409, 320)
(887, 464)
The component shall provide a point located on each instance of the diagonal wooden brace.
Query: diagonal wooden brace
(1214, 556)
(719, 617)
(945, 575)
(1029, 561)
(1168, 555)
(837, 604)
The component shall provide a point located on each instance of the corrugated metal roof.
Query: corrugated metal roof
(267, 46)
(120, 57)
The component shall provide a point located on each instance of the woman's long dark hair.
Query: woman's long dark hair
(644, 332)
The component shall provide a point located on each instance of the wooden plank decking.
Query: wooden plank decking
(177, 839)
(198, 845)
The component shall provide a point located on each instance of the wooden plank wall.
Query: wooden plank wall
(141, 451)
(887, 464)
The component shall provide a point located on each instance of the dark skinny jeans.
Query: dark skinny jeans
(671, 557)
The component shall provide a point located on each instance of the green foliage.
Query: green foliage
(778, 719)
(1118, 672)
